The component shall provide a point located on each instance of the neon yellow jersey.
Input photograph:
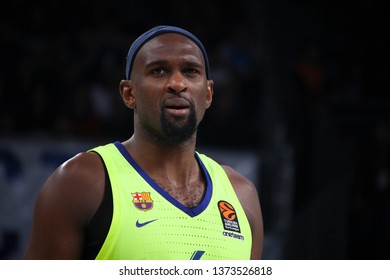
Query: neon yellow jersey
(149, 224)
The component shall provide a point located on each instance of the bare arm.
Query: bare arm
(247, 194)
(65, 205)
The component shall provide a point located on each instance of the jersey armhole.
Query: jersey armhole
(99, 226)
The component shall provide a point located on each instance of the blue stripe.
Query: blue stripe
(197, 255)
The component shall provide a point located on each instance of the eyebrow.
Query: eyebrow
(192, 64)
(155, 63)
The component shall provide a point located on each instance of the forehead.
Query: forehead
(169, 45)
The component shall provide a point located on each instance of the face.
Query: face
(168, 90)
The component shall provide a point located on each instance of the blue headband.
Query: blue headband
(158, 30)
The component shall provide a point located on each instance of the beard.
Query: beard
(175, 132)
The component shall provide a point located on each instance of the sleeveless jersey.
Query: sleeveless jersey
(149, 224)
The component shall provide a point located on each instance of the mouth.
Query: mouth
(177, 111)
(177, 107)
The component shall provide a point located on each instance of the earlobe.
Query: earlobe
(126, 91)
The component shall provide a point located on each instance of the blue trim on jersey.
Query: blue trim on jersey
(197, 255)
(192, 212)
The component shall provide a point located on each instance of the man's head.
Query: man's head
(158, 30)
(168, 87)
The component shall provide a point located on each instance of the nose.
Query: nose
(176, 83)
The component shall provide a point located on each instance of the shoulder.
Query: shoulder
(78, 182)
(240, 183)
(245, 190)
(85, 169)
(83, 165)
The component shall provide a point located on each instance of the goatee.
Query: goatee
(176, 133)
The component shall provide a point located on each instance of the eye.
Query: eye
(191, 71)
(158, 70)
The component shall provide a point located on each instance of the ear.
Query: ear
(210, 92)
(126, 90)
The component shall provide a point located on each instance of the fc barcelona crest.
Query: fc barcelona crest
(142, 201)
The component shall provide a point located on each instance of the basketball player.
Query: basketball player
(152, 196)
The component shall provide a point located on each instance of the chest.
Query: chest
(155, 226)
(189, 195)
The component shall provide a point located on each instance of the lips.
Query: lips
(177, 107)
(176, 103)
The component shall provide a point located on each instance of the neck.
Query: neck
(171, 159)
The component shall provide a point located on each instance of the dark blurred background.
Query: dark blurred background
(301, 104)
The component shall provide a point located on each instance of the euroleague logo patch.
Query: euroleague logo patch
(228, 216)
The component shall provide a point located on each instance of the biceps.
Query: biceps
(255, 218)
(55, 234)
(256, 222)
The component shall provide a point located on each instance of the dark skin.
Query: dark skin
(168, 78)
